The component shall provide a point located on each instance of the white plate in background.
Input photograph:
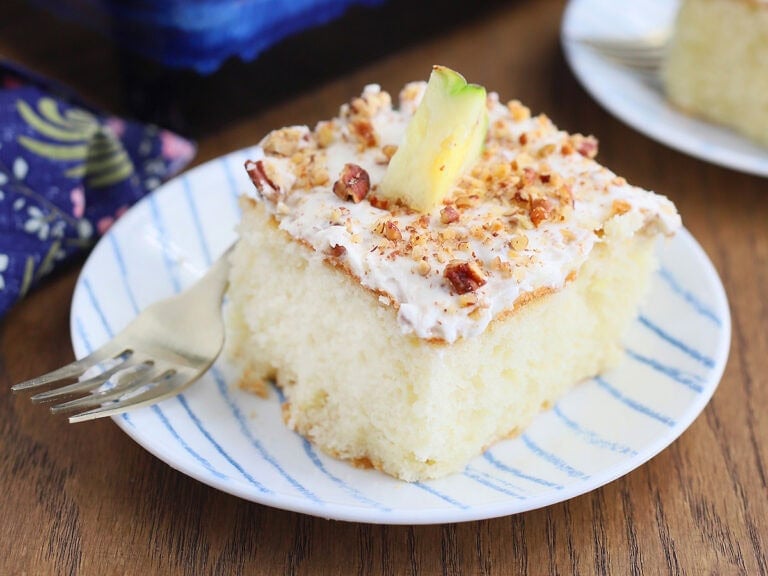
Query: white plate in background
(637, 102)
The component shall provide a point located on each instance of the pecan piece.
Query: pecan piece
(377, 202)
(389, 150)
(365, 133)
(586, 145)
(259, 176)
(519, 242)
(541, 209)
(620, 207)
(449, 214)
(392, 231)
(464, 276)
(286, 141)
(353, 183)
(336, 250)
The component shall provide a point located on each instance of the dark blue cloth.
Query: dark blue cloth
(67, 171)
(200, 34)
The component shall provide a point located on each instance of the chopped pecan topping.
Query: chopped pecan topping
(564, 194)
(410, 96)
(286, 141)
(585, 145)
(377, 202)
(529, 176)
(259, 176)
(467, 201)
(325, 133)
(546, 150)
(521, 161)
(449, 214)
(519, 242)
(464, 276)
(468, 299)
(620, 207)
(353, 183)
(518, 111)
(391, 231)
(365, 133)
(541, 209)
(389, 150)
(358, 107)
(372, 101)
(336, 250)
(501, 266)
(423, 268)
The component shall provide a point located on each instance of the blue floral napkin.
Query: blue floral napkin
(67, 172)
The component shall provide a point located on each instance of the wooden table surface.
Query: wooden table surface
(85, 499)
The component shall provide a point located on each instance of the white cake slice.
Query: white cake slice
(412, 341)
(717, 63)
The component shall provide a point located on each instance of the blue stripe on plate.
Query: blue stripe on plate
(633, 404)
(689, 297)
(687, 379)
(221, 384)
(196, 219)
(233, 186)
(553, 459)
(164, 419)
(97, 308)
(591, 437)
(118, 253)
(160, 225)
(127, 419)
(491, 482)
(83, 334)
(444, 497)
(679, 344)
(235, 464)
(518, 473)
(354, 492)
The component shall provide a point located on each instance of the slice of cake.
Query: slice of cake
(717, 63)
(412, 339)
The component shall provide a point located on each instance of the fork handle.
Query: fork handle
(213, 283)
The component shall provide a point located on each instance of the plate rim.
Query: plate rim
(361, 513)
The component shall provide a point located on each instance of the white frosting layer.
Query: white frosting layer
(426, 304)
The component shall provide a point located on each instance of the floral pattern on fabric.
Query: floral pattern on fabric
(67, 172)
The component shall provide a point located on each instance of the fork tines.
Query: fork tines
(107, 382)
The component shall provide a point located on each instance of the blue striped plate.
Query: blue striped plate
(637, 102)
(236, 442)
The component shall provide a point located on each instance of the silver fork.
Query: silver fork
(160, 353)
(642, 54)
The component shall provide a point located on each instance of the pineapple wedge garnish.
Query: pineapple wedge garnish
(443, 139)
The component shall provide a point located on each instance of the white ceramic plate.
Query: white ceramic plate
(636, 101)
(236, 442)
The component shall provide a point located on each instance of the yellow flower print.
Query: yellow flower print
(76, 136)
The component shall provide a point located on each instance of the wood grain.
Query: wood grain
(86, 500)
